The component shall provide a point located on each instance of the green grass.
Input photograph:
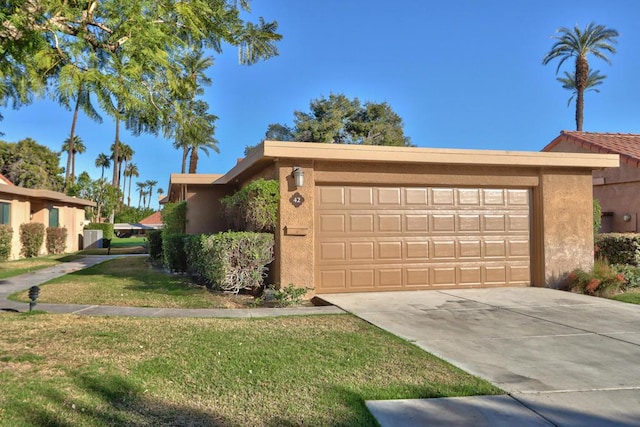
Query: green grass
(630, 297)
(27, 265)
(131, 281)
(120, 246)
(66, 370)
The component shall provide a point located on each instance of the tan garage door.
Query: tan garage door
(395, 238)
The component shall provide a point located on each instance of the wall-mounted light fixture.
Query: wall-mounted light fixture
(626, 217)
(298, 176)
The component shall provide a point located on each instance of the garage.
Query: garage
(376, 238)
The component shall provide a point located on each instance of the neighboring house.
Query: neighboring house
(372, 218)
(617, 189)
(152, 222)
(20, 205)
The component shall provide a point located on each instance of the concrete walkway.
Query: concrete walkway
(19, 283)
(564, 359)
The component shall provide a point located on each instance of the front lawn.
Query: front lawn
(121, 246)
(67, 370)
(632, 297)
(132, 281)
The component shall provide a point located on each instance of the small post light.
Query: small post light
(34, 292)
(298, 176)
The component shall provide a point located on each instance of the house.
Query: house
(617, 189)
(356, 218)
(127, 229)
(20, 205)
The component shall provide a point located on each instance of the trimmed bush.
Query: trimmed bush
(56, 240)
(174, 218)
(154, 244)
(631, 275)
(254, 207)
(31, 238)
(174, 257)
(597, 217)
(107, 229)
(602, 281)
(619, 248)
(6, 234)
(230, 261)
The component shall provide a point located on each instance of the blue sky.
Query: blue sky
(461, 74)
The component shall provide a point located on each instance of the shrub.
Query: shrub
(231, 261)
(154, 244)
(174, 218)
(107, 229)
(289, 295)
(619, 248)
(56, 240)
(6, 234)
(603, 280)
(254, 207)
(174, 257)
(631, 275)
(197, 249)
(597, 217)
(31, 238)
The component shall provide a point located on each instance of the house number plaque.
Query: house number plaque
(297, 199)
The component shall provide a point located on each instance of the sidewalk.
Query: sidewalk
(25, 281)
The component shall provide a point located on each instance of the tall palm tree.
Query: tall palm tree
(130, 171)
(160, 192)
(125, 154)
(141, 187)
(596, 40)
(104, 162)
(72, 146)
(569, 82)
(150, 184)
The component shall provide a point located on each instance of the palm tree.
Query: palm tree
(150, 185)
(569, 82)
(160, 192)
(104, 162)
(596, 40)
(141, 187)
(72, 146)
(125, 153)
(130, 171)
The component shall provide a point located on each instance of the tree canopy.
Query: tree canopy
(31, 165)
(596, 40)
(340, 120)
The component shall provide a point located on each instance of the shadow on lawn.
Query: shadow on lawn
(112, 400)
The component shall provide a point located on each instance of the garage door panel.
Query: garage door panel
(383, 238)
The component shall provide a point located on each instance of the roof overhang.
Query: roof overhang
(269, 151)
(53, 196)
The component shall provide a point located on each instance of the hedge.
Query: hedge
(31, 238)
(174, 218)
(107, 229)
(154, 244)
(6, 234)
(230, 261)
(56, 240)
(254, 207)
(619, 248)
(174, 257)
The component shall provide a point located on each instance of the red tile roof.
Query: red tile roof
(153, 219)
(627, 145)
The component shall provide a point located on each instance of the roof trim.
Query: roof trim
(45, 194)
(417, 155)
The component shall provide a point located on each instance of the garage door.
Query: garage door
(395, 238)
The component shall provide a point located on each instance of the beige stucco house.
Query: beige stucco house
(20, 205)
(617, 189)
(371, 218)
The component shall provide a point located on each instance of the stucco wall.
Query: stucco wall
(294, 238)
(204, 210)
(617, 191)
(563, 230)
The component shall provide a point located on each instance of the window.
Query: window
(53, 217)
(5, 210)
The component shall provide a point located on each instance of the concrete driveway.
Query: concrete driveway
(571, 359)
